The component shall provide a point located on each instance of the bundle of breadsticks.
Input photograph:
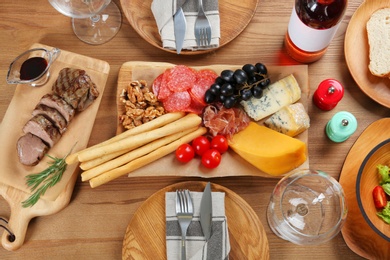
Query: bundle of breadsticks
(136, 147)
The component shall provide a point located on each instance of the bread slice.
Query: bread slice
(378, 30)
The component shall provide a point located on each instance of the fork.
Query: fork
(184, 213)
(202, 27)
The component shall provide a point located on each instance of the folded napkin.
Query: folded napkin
(163, 11)
(217, 247)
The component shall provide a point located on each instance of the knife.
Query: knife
(180, 25)
(206, 212)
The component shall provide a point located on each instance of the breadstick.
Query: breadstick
(153, 124)
(135, 141)
(100, 160)
(144, 160)
(127, 157)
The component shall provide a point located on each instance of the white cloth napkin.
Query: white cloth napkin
(163, 11)
(217, 247)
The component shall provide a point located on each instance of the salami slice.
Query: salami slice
(204, 79)
(164, 92)
(195, 107)
(157, 84)
(180, 78)
(177, 101)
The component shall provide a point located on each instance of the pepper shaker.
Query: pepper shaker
(342, 125)
(328, 94)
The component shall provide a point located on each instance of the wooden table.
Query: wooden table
(94, 224)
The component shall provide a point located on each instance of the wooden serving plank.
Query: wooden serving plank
(358, 235)
(145, 234)
(231, 164)
(12, 175)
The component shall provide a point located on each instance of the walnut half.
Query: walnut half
(141, 105)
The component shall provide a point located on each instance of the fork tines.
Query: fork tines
(183, 203)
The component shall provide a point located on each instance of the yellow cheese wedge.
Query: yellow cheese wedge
(268, 150)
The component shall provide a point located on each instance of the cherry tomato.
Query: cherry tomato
(211, 158)
(379, 196)
(220, 143)
(185, 153)
(201, 144)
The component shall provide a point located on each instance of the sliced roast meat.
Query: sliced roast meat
(56, 102)
(31, 149)
(76, 88)
(53, 115)
(42, 127)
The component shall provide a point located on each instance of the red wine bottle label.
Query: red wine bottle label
(307, 38)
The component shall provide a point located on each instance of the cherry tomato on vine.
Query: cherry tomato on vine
(211, 158)
(185, 153)
(379, 196)
(220, 143)
(201, 144)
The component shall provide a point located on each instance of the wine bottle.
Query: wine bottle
(312, 26)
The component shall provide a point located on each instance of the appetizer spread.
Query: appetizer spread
(72, 92)
(194, 110)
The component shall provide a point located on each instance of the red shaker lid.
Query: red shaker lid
(328, 94)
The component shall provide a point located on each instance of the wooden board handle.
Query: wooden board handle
(18, 224)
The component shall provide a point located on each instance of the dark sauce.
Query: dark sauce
(32, 68)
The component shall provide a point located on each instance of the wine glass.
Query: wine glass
(94, 21)
(307, 207)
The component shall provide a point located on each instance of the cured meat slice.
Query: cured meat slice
(164, 92)
(76, 88)
(157, 84)
(56, 102)
(224, 121)
(204, 79)
(53, 115)
(180, 78)
(31, 149)
(42, 128)
(177, 101)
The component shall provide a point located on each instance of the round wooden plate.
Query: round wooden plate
(145, 234)
(234, 17)
(357, 233)
(357, 51)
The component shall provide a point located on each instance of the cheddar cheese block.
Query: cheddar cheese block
(270, 151)
(283, 92)
(290, 120)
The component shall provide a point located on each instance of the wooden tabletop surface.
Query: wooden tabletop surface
(94, 224)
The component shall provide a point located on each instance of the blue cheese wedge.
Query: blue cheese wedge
(290, 120)
(282, 93)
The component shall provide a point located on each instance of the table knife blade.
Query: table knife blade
(180, 25)
(206, 211)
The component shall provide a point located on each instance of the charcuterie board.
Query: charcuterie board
(12, 174)
(231, 164)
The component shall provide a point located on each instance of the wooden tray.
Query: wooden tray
(232, 164)
(357, 51)
(145, 234)
(357, 234)
(234, 17)
(12, 174)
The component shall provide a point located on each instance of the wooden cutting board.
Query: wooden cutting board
(145, 234)
(12, 172)
(231, 164)
(358, 235)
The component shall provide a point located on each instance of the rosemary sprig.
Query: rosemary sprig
(39, 183)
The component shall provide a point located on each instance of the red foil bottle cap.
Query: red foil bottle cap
(328, 94)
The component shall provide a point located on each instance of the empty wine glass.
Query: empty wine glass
(93, 21)
(307, 207)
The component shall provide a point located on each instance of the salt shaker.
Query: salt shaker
(342, 125)
(328, 94)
